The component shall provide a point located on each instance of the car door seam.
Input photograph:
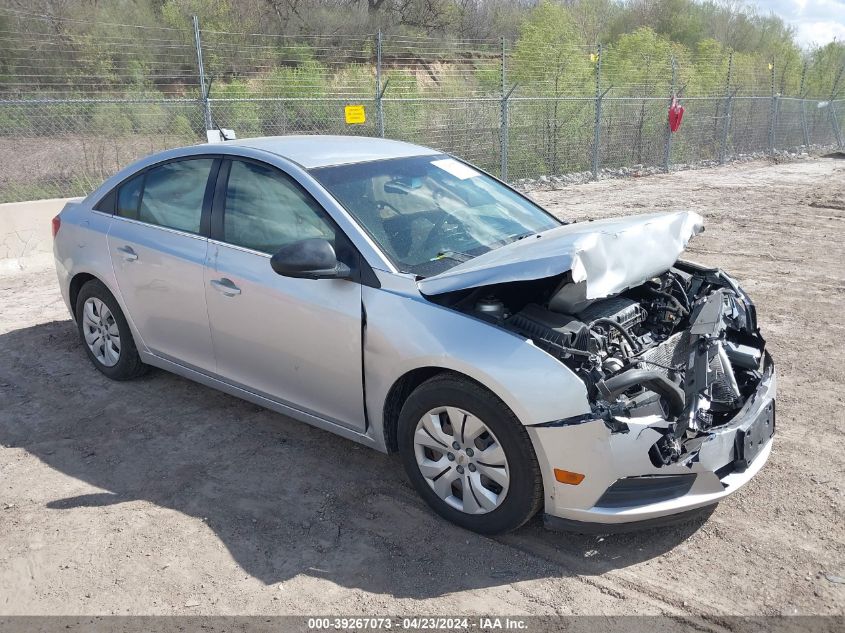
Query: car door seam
(116, 284)
(363, 368)
(206, 271)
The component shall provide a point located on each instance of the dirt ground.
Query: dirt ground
(161, 496)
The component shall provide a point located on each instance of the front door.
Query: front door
(296, 341)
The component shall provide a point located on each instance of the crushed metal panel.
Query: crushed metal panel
(609, 255)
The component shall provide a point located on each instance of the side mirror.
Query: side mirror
(309, 259)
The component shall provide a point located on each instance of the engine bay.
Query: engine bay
(683, 346)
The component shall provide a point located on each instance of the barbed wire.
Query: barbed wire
(82, 102)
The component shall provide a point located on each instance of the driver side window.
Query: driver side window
(266, 210)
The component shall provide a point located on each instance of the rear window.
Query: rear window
(169, 195)
(172, 194)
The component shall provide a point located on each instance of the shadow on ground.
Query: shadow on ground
(284, 498)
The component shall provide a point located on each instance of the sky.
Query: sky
(815, 21)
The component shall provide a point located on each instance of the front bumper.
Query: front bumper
(622, 486)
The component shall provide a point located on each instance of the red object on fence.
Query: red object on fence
(676, 115)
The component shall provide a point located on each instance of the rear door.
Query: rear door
(158, 246)
(296, 341)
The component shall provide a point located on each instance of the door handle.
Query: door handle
(226, 287)
(127, 253)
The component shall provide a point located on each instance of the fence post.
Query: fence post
(837, 131)
(206, 105)
(379, 94)
(804, 129)
(834, 92)
(667, 156)
(772, 111)
(723, 155)
(503, 117)
(597, 125)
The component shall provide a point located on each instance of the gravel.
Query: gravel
(551, 183)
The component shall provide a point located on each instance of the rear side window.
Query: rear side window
(266, 210)
(173, 193)
(128, 197)
(106, 203)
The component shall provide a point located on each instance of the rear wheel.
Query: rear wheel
(468, 456)
(106, 334)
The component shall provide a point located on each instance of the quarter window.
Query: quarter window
(266, 210)
(173, 194)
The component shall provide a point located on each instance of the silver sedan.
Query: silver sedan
(403, 299)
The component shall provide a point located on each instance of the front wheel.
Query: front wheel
(468, 456)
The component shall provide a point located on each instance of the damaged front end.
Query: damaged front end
(682, 350)
(680, 386)
(680, 389)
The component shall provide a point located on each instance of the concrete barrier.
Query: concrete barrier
(26, 240)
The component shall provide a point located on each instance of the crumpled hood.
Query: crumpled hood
(608, 255)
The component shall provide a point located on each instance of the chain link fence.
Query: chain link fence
(75, 109)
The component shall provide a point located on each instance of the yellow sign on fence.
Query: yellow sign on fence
(355, 114)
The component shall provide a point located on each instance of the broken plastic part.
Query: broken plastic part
(744, 356)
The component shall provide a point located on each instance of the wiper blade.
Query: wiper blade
(458, 257)
(521, 236)
(511, 238)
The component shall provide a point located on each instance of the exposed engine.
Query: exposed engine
(683, 346)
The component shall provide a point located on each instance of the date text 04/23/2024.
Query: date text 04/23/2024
(418, 623)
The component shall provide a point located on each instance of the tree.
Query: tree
(826, 72)
(549, 57)
(549, 60)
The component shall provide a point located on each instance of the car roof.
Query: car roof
(312, 151)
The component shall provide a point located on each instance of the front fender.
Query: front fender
(405, 332)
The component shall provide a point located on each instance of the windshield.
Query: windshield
(430, 213)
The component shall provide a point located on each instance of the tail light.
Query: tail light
(57, 224)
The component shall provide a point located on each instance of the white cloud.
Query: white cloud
(819, 33)
(816, 22)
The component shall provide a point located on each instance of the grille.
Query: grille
(637, 491)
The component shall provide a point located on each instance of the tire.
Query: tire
(126, 363)
(470, 403)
